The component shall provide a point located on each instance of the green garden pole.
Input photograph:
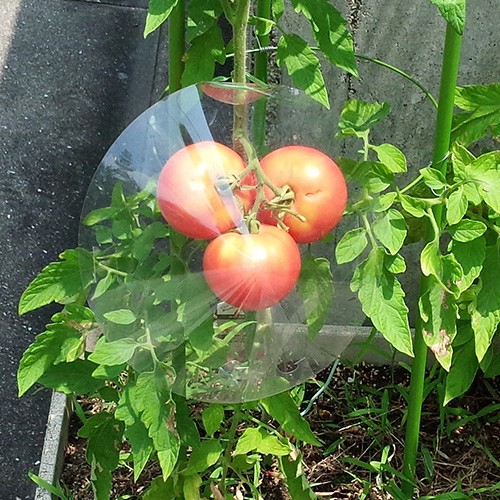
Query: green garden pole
(176, 46)
(450, 67)
(263, 10)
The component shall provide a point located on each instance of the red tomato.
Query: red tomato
(319, 186)
(231, 93)
(252, 271)
(193, 191)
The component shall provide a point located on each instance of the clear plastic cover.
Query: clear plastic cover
(182, 273)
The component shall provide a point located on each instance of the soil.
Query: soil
(458, 458)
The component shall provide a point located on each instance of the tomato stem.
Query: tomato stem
(226, 461)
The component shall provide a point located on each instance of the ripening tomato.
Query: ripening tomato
(319, 186)
(252, 271)
(194, 194)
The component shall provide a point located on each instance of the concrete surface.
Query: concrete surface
(73, 76)
(56, 438)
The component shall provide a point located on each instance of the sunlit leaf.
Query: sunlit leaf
(303, 66)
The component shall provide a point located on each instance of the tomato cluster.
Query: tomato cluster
(297, 193)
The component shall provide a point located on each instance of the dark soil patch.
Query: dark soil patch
(362, 412)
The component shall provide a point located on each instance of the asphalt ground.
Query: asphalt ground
(73, 75)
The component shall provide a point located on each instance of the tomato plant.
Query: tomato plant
(194, 190)
(319, 187)
(252, 271)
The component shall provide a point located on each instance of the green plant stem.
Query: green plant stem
(176, 50)
(451, 63)
(373, 60)
(176, 45)
(240, 25)
(111, 270)
(401, 73)
(226, 460)
(263, 9)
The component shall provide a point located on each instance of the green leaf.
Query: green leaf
(205, 455)
(272, 445)
(263, 26)
(359, 116)
(315, 285)
(414, 206)
(438, 309)
(56, 491)
(135, 430)
(75, 377)
(351, 245)
(103, 285)
(382, 299)
(471, 127)
(100, 215)
(161, 489)
(467, 230)
(121, 316)
(113, 353)
(153, 402)
(462, 372)
(485, 172)
(212, 417)
(485, 312)
(390, 230)
(453, 12)
(203, 14)
(433, 178)
(391, 157)
(104, 439)
(383, 202)
(303, 66)
(395, 264)
(185, 424)
(431, 260)
(43, 353)
(60, 281)
(373, 176)
(492, 367)
(471, 97)
(461, 159)
(144, 243)
(482, 103)
(248, 441)
(104, 436)
(296, 478)
(259, 440)
(329, 30)
(277, 8)
(158, 12)
(191, 487)
(470, 255)
(205, 51)
(456, 206)
(283, 408)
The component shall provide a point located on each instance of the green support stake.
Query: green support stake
(450, 67)
(176, 46)
(263, 10)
